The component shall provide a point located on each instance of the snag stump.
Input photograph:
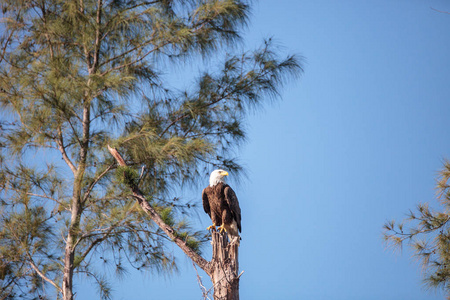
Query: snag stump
(224, 268)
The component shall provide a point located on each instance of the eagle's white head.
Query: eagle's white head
(217, 177)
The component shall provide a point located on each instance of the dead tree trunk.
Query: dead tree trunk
(224, 266)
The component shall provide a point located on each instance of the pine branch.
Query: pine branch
(149, 210)
(97, 34)
(41, 196)
(8, 40)
(135, 61)
(92, 185)
(94, 243)
(42, 275)
(62, 149)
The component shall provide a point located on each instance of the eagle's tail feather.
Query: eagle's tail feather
(232, 231)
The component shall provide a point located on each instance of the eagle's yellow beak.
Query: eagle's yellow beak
(224, 173)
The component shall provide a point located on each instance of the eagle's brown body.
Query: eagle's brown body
(221, 204)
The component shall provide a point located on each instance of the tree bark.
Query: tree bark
(76, 210)
(224, 266)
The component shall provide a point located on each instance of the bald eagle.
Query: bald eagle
(221, 204)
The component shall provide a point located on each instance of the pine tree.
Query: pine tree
(427, 232)
(79, 75)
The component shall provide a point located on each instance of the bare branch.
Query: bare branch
(440, 11)
(117, 156)
(205, 292)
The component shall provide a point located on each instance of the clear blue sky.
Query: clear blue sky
(357, 141)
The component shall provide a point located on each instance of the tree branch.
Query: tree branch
(224, 95)
(8, 40)
(440, 11)
(94, 243)
(97, 34)
(137, 194)
(92, 185)
(140, 58)
(62, 149)
(42, 275)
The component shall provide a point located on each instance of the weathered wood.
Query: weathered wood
(225, 268)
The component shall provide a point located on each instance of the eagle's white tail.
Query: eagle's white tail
(233, 232)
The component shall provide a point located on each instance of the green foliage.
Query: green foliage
(166, 214)
(126, 175)
(77, 76)
(428, 234)
(32, 238)
(191, 242)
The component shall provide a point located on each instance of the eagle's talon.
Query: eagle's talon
(221, 229)
(212, 227)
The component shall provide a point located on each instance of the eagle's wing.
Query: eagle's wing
(206, 202)
(233, 203)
